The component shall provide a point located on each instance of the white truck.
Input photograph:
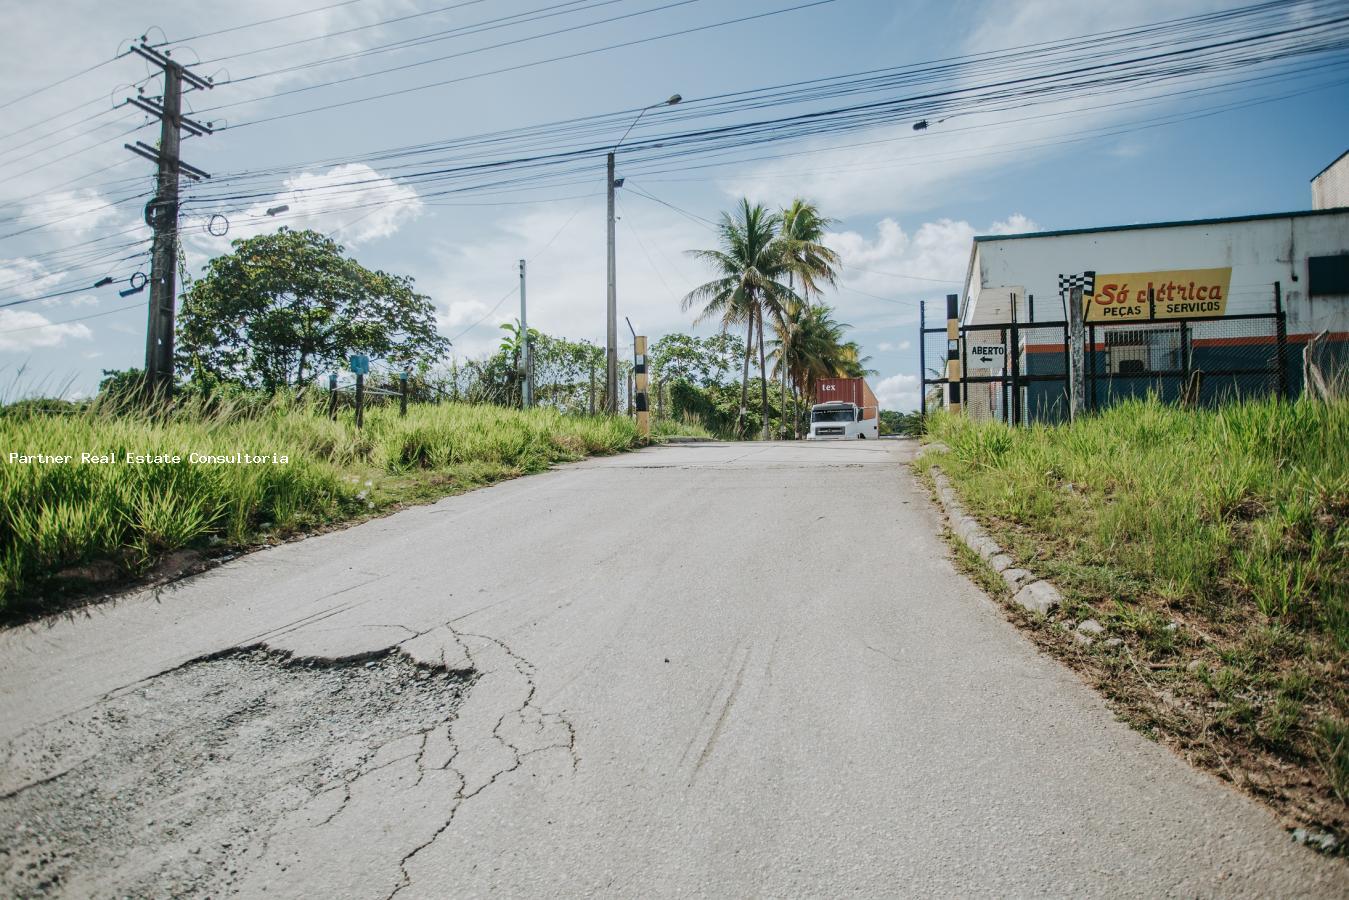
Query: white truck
(845, 410)
(837, 420)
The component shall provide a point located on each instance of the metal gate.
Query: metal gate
(1017, 372)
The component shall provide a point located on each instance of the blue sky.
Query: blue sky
(905, 205)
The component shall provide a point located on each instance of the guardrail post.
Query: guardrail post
(954, 376)
(402, 394)
(639, 385)
(332, 395)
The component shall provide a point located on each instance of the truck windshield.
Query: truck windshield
(832, 415)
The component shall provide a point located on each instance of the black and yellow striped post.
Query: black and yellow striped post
(953, 373)
(640, 383)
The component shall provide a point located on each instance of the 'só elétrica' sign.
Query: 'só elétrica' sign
(1182, 294)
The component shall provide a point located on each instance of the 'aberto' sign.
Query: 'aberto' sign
(1182, 294)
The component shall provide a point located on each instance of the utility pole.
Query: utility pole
(161, 213)
(526, 383)
(611, 320)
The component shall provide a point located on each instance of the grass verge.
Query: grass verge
(1213, 546)
(69, 528)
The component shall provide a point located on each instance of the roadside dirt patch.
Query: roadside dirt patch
(178, 786)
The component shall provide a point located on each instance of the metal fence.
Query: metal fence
(1017, 372)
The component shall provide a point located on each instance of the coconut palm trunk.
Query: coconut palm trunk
(744, 376)
(763, 379)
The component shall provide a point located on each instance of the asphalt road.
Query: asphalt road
(722, 670)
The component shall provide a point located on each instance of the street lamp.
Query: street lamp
(611, 324)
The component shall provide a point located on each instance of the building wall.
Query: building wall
(1022, 272)
(1259, 252)
(1330, 188)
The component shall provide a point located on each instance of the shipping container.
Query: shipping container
(847, 390)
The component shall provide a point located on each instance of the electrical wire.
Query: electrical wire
(255, 24)
(520, 66)
(513, 291)
(78, 319)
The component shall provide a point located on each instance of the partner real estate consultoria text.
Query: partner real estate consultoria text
(130, 458)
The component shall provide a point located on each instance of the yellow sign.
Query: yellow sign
(1183, 294)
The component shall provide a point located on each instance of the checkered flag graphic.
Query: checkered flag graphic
(1086, 281)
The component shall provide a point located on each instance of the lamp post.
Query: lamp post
(611, 321)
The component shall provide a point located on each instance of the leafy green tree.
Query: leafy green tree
(895, 422)
(282, 307)
(701, 361)
(121, 385)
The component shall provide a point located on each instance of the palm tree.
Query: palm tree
(811, 347)
(851, 362)
(808, 261)
(750, 265)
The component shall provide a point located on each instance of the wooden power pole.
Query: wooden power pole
(161, 213)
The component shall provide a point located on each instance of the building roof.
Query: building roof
(1331, 166)
(1340, 210)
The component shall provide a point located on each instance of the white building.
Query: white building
(1210, 269)
(1330, 187)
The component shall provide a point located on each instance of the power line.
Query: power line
(476, 28)
(520, 66)
(66, 293)
(59, 82)
(512, 292)
(69, 321)
(233, 28)
(409, 41)
(640, 243)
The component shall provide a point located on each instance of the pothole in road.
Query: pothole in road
(173, 789)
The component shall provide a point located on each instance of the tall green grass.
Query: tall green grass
(1246, 503)
(1234, 520)
(56, 520)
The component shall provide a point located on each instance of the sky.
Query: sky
(905, 203)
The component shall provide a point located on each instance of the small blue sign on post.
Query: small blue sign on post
(360, 364)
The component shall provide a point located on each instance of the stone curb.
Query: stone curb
(1035, 594)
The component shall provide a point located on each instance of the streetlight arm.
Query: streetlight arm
(671, 102)
(632, 126)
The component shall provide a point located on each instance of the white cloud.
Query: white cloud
(566, 287)
(77, 212)
(895, 169)
(929, 261)
(898, 392)
(26, 330)
(27, 278)
(352, 203)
